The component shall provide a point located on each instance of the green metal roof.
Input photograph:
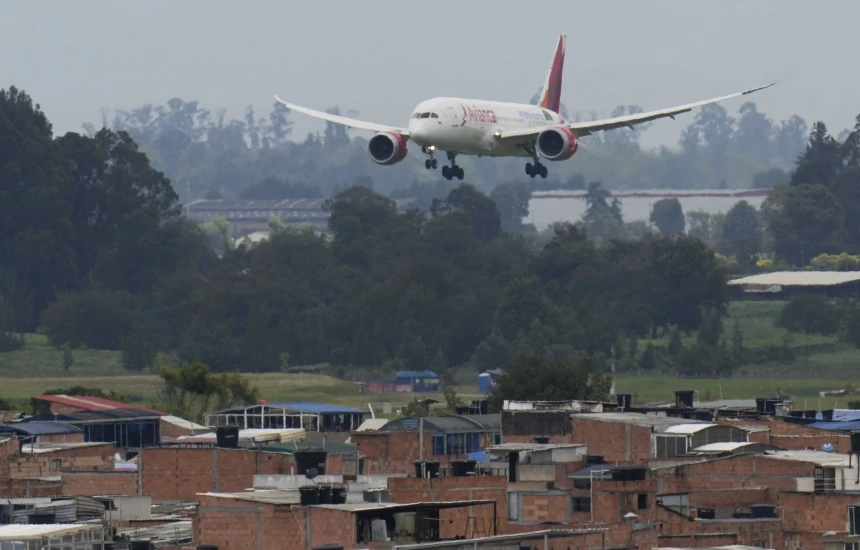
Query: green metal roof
(449, 423)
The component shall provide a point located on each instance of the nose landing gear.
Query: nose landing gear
(430, 163)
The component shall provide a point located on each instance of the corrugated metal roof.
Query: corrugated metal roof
(372, 424)
(799, 278)
(449, 423)
(331, 447)
(821, 458)
(91, 403)
(657, 422)
(726, 446)
(373, 506)
(276, 497)
(182, 423)
(36, 532)
(513, 447)
(687, 429)
(317, 408)
(39, 427)
(40, 448)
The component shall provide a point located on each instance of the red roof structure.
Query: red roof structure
(90, 403)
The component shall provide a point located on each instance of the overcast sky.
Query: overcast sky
(382, 57)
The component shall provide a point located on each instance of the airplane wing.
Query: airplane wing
(586, 128)
(350, 122)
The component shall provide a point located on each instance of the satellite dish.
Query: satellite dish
(311, 473)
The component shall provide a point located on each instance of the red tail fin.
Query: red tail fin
(551, 95)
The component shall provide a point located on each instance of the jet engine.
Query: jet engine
(387, 148)
(557, 143)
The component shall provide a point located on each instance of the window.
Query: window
(456, 444)
(497, 439)
(581, 504)
(438, 445)
(434, 115)
(57, 464)
(850, 546)
(643, 501)
(425, 115)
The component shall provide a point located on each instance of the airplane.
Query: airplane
(458, 126)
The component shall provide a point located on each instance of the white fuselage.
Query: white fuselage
(467, 126)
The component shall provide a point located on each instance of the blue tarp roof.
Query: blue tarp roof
(846, 414)
(478, 456)
(416, 374)
(836, 426)
(39, 428)
(319, 408)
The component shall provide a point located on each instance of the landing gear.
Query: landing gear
(430, 163)
(453, 171)
(536, 169)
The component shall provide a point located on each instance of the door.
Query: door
(453, 117)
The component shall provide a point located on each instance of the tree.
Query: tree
(803, 221)
(534, 377)
(809, 313)
(742, 231)
(188, 390)
(512, 201)
(668, 216)
(675, 346)
(481, 210)
(738, 348)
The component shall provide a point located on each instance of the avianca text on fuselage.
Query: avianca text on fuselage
(471, 114)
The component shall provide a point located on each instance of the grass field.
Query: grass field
(823, 364)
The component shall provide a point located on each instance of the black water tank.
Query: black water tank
(139, 545)
(227, 437)
(338, 495)
(795, 414)
(810, 414)
(770, 404)
(463, 467)
(684, 398)
(312, 457)
(624, 400)
(706, 513)
(310, 494)
(593, 460)
(426, 468)
(855, 442)
(329, 546)
(325, 494)
(484, 407)
(541, 440)
(207, 547)
(763, 510)
(760, 404)
(462, 409)
(827, 414)
(636, 474)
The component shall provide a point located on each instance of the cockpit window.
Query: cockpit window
(416, 115)
(425, 115)
(434, 115)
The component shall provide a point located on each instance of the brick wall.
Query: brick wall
(808, 514)
(29, 487)
(748, 532)
(454, 521)
(7, 447)
(794, 437)
(546, 506)
(179, 474)
(96, 458)
(615, 441)
(732, 472)
(99, 483)
(396, 452)
(77, 437)
(524, 426)
(731, 498)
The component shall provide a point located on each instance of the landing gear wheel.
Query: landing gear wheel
(543, 171)
(446, 173)
(427, 164)
(434, 163)
(458, 172)
(529, 171)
